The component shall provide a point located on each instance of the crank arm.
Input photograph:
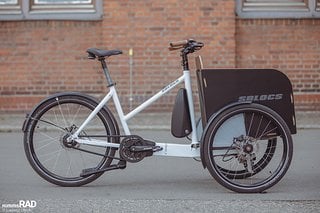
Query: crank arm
(145, 148)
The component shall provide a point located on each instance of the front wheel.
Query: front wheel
(248, 148)
(51, 123)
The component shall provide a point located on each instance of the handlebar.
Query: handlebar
(186, 46)
(189, 46)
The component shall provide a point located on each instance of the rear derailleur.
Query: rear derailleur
(134, 148)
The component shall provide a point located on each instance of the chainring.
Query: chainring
(125, 149)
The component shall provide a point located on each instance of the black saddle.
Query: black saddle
(94, 52)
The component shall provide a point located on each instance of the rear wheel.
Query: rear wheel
(248, 148)
(46, 146)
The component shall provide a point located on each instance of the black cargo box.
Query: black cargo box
(269, 87)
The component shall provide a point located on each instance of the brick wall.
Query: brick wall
(148, 26)
(38, 58)
(292, 46)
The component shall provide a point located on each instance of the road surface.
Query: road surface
(159, 184)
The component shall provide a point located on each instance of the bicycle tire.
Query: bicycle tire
(52, 120)
(231, 165)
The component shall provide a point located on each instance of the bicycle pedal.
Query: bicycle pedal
(91, 171)
(88, 172)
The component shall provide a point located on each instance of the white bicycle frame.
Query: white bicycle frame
(168, 149)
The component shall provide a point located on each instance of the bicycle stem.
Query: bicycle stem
(184, 61)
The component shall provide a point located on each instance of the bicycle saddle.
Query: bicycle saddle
(94, 52)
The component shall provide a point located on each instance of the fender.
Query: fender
(29, 116)
(210, 121)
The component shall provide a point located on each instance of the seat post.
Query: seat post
(106, 71)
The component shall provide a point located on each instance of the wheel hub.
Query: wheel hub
(248, 148)
(245, 144)
(65, 143)
(64, 139)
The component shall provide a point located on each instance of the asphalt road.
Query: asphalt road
(159, 184)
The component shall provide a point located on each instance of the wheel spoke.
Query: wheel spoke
(61, 112)
(50, 154)
(266, 133)
(76, 114)
(250, 124)
(56, 161)
(50, 140)
(258, 128)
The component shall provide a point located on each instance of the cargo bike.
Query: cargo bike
(243, 136)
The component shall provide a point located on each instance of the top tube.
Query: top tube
(155, 97)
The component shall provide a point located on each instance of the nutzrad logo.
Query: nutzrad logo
(21, 206)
